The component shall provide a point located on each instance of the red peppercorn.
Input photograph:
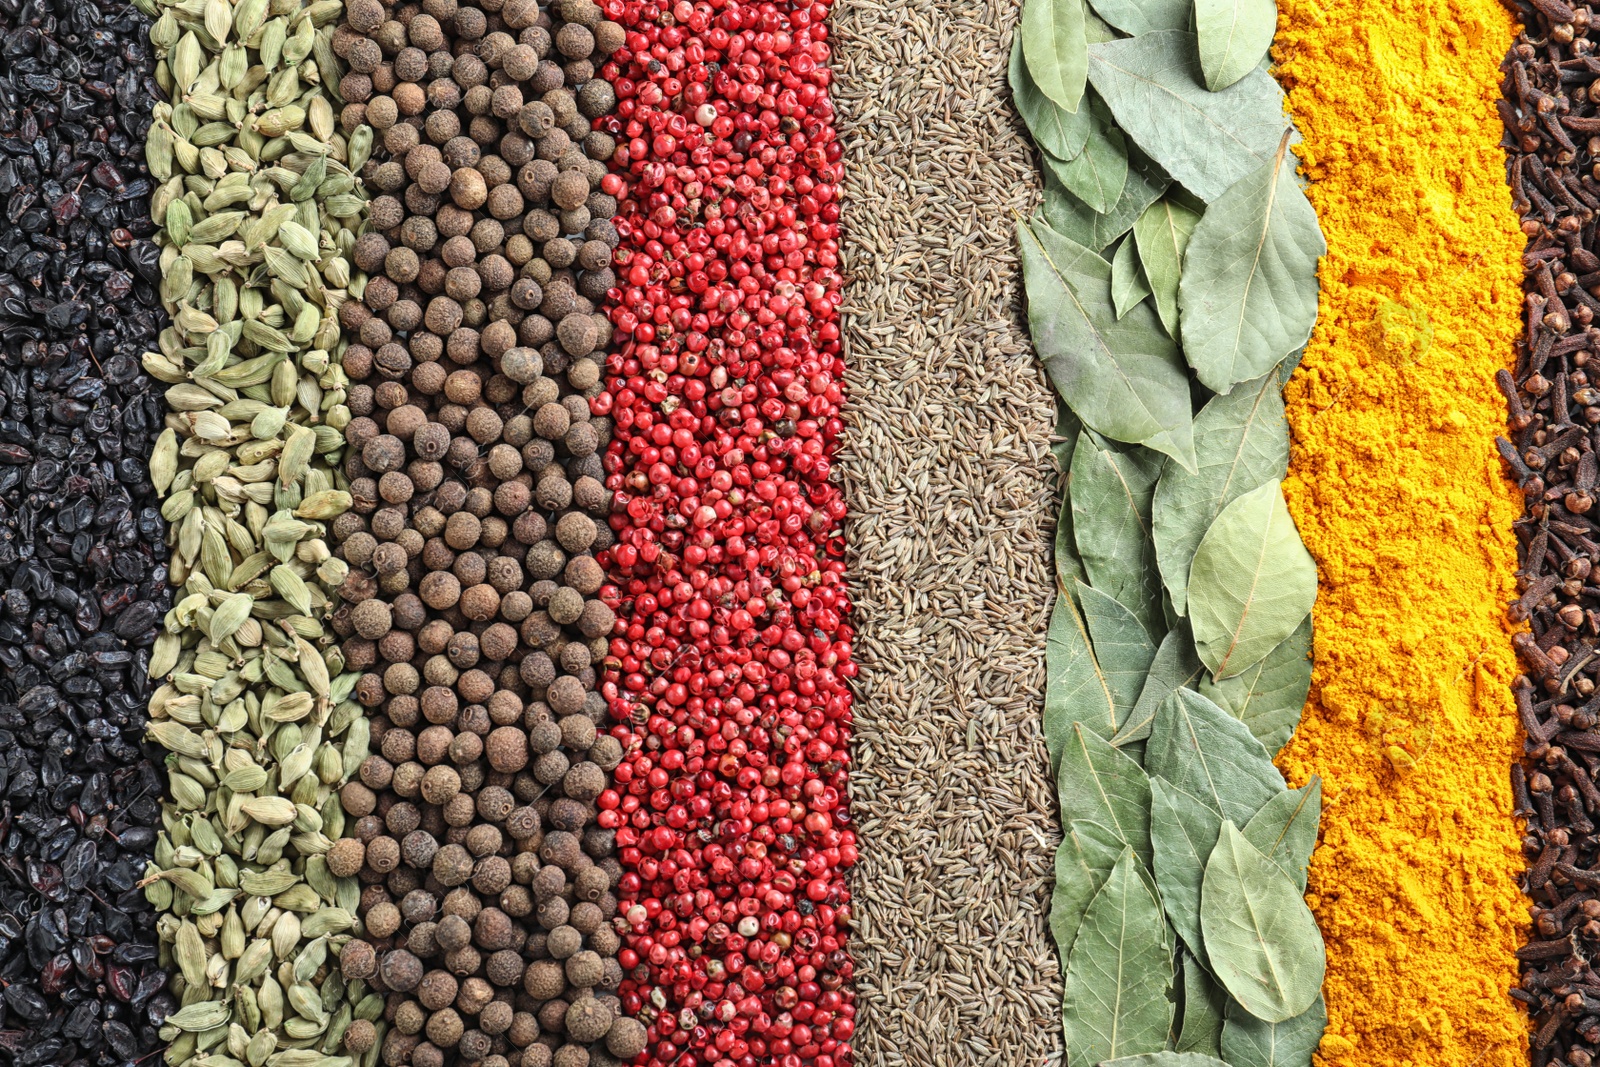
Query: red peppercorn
(730, 660)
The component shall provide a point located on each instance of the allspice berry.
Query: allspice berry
(474, 467)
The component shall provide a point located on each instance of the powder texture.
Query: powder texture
(1399, 495)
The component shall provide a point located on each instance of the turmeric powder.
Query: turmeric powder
(1399, 495)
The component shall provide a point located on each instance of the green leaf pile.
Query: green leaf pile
(1171, 281)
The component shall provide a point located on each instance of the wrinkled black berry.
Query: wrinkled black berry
(83, 570)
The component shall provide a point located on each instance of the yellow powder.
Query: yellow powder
(1398, 493)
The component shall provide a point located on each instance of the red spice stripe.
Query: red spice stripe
(731, 656)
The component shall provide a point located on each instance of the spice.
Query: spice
(471, 606)
(730, 663)
(1549, 450)
(82, 563)
(259, 211)
(1398, 494)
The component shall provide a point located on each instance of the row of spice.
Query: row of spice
(734, 650)
(83, 566)
(1550, 122)
(1171, 279)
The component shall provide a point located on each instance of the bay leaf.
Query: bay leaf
(1071, 217)
(1123, 649)
(1204, 1006)
(1241, 441)
(1166, 1059)
(1097, 30)
(1141, 16)
(1252, 582)
(1162, 234)
(1262, 940)
(1119, 973)
(1111, 493)
(1097, 173)
(1123, 378)
(1084, 859)
(1269, 696)
(1053, 46)
(1128, 284)
(1076, 690)
(1203, 750)
(1250, 1042)
(1174, 667)
(1248, 295)
(1234, 37)
(1183, 831)
(1069, 568)
(1206, 141)
(1055, 130)
(1285, 829)
(1101, 784)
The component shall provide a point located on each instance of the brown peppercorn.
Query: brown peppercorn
(584, 781)
(589, 1018)
(360, 964)
(345, 858)
(545, 980)
(626, 1038)
(452, 865)
(440, 784)
(401, 970)
(437, 990)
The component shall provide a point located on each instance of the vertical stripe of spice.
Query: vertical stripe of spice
(258, 213)
(488, 896)
(1550, 449)
(730, 663)
(1398, 494)
(82, 559)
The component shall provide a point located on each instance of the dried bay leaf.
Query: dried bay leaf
(1269, 696)
(1162, 234)
(1055, 49)
(1076, 691)
(1174, 667)
(1285, 829)
(1141, 16)
(1234, 37)
(1206, 141)
(1123, 378)
(1116, 1001)
(1069, 568)
(1167, 1059)
(1252, 582)
(1097, 173)
(1071, 217)
(1057, 131)
(1250, 1042)
(1203, 750)
(1204, 1005)
(1248, 295)
(1262, 940)
(1241, 441)
(1101, 784)
(1087, 853)
(1123, 649)
(1112, 490)
(1183, 831)
(1128, 283)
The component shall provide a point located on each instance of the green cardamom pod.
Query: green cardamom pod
(218, 20)
(270, 46)
(270, 998)
(185, 62)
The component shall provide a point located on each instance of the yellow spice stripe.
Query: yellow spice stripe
(1398, 493)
